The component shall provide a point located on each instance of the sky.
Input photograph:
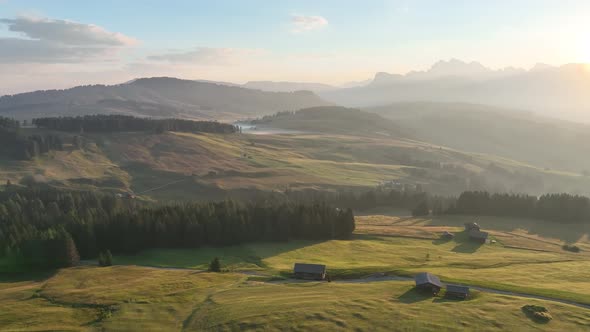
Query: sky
(63, 43)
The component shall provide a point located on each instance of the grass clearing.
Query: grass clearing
(147, 299)
(405, 245)
(135, 161)
(127, 297)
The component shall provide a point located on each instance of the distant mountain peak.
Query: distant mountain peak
(455, 67)
(385, 78)
(541, 66)
(452, 68)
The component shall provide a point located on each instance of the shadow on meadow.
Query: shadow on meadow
(412, 295)
(467, 247)
(441, 240)
(27, 276)
(463, 244)
(248, 256)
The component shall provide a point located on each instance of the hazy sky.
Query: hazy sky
(62, 43)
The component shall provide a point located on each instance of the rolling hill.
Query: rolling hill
(334, 120)
(287, 86)
(157, 97)
(513, 134)
(333, 149)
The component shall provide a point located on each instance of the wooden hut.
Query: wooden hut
(428, 282)
(457, 291)
(478, 236)
(309, 271)
(446, 235)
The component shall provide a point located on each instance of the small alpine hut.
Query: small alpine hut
(458, 292)
(470, 226)
(478, 236)
(446, 235)
(428, 282)
(309, 271)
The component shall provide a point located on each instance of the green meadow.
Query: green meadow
(169, 290)
(127, 298)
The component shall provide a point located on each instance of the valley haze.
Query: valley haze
(253, 165)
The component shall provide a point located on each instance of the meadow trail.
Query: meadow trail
(379, 277)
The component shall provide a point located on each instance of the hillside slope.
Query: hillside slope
(334, 120)
(157, 97)
(512, 134)
(183, 166)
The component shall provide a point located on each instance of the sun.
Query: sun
(585, 48)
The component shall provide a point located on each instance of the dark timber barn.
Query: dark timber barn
(478, 236)
(456, 291)
(446, 235)
(428, 282)
(309, 271)
(471, 226)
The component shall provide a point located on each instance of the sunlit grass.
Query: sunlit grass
(147, 299)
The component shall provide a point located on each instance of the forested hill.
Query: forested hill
(335, 120)
(157, 97)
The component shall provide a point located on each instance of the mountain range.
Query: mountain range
(560, 92)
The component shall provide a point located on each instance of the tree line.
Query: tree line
(17, 145)
(53, 228)
(407, 197)
(561, 208)
(119, 123)
(564, 208)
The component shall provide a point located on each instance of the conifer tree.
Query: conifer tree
(215, 265)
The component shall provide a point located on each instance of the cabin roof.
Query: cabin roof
(309, 268)
(423, 278)
(458, 289)
(478, 234)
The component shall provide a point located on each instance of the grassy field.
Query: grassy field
(129, 296)
(217, 164)
(403, 245)
(126, 298)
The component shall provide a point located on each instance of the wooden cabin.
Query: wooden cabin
(478, 236)
(428, 282)
(457, 291)
(309, 271)
(470, 226)
(446, 235)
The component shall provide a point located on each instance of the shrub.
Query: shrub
(215, 265)
(105, 258)
(537, 313)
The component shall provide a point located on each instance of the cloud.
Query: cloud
(13, 50)
(44, 40)
(66, 32)
(208, 56)
(303, 23)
